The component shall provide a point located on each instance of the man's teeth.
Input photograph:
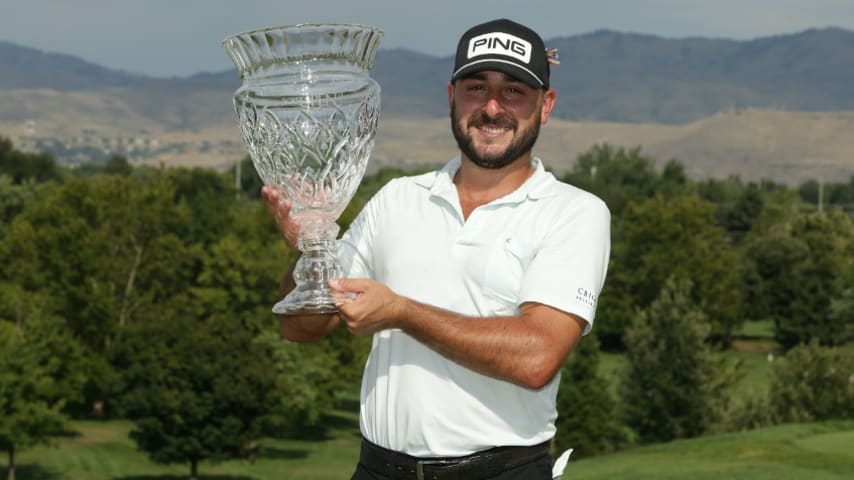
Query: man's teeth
(493, 130)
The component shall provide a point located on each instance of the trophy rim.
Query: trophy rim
(291, 26)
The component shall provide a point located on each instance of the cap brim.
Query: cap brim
(514, 70)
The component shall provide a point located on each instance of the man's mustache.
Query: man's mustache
(501, 121)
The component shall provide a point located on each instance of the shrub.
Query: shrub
(813, 383)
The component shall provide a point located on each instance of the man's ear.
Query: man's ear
(549, 101)
(450, 94)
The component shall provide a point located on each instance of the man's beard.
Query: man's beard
(521, 145)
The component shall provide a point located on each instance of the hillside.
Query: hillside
(774, 107)
(787, 147)
(603, 76)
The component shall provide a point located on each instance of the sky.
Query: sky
(165, 38)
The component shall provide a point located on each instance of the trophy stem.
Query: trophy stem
(315, 268)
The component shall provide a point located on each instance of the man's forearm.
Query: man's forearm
(527, 349)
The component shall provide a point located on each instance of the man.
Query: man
(476, 281)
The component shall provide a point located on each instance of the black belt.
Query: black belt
(477, 466)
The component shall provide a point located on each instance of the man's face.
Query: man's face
(495, 118)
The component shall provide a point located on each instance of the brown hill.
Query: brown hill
(784, 146)
(787, 147)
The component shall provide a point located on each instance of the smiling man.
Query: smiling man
(469, 280)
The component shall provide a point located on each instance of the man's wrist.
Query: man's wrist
(401, 316)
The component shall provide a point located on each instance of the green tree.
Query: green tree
(196, 390)
(306, 383)
(101, 251)
(103, 248)
(585, 405)
(21, 167)
(621, 177)
(812, 383)
(118, 165)
(658, 238)
(13, 198)
(798, 273)
(208, 197)
(40, 372)
(673, 386)
(237, 280)
(739, 219)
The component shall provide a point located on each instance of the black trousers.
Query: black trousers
(540, 469)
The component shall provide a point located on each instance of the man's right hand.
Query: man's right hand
(297, 328)
(280, 208)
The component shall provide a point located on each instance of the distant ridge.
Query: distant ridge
(778, 107)
(24, 67)
(604, 76)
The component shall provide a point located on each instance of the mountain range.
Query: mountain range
(604, 77)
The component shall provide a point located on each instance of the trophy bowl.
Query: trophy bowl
(308, 114)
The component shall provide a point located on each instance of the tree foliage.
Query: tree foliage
(622, 177)
(196, 390)
(674, 385)
(586, 420)
(40, 372)
(22, 167)
(659, 238)
(306, 384)
(162, 281)
(106, 243)
(812, 383)
(799, 275)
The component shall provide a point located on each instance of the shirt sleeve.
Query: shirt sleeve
(356, 246)
(568, 270)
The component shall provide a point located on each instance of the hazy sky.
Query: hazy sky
(182, 37)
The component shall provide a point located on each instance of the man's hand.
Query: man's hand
(280, 208)
(374, 308)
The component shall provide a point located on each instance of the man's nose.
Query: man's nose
(493, 106)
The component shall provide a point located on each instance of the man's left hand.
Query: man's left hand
(375, 306)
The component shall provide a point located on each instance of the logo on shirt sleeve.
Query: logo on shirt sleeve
(587, 297)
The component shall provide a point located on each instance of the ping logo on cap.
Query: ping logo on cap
(499, 43)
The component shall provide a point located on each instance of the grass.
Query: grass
(103, 451)
(763, 329)
(815, 451)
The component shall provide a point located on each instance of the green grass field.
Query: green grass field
(103, 451)
(789, 452)
(816, 451)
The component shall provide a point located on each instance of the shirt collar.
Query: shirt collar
(441, 183)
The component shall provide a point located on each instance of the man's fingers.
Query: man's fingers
(280, 208)
(351, 285)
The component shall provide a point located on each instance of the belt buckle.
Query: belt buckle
(419, 467)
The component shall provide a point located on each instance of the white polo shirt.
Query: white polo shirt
(547, 242)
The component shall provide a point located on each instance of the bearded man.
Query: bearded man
(475, 281)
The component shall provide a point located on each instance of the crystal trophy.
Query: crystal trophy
(308, 114)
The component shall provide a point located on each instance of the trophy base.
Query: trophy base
(306, 301)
